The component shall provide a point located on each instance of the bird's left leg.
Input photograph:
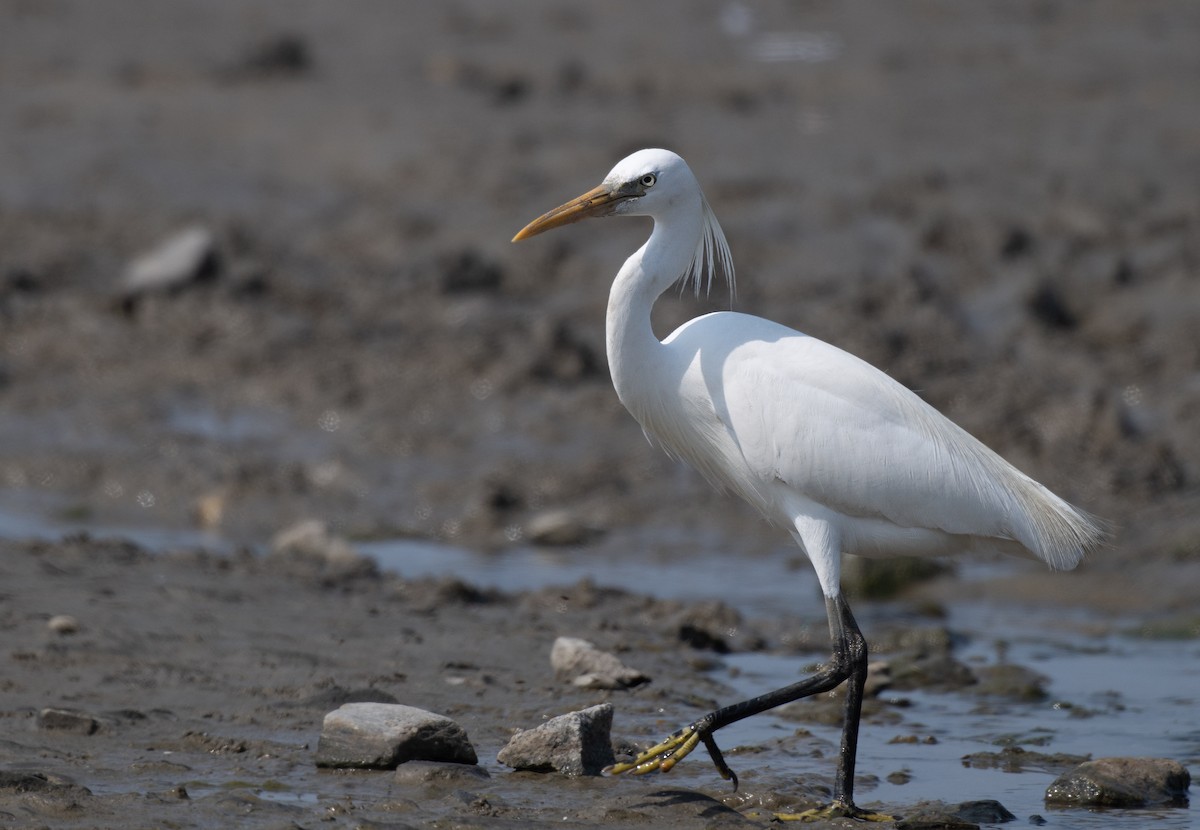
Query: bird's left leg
(840, 667)
(678, 745)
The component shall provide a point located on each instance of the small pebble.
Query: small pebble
(63, 624)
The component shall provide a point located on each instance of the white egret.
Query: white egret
(821, 442)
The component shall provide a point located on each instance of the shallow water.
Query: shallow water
(1141, 699)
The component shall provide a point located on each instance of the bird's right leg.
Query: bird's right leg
(854, 646)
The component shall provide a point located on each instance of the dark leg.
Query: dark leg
(847, 663)
(855, 646)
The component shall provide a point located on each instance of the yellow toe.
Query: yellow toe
(836, 809)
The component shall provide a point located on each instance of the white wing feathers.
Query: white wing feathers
(844, 435)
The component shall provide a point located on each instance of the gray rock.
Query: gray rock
(385, 735)
(585, 665)
(67, 720)
(186, 257)
(577, 743)
(1121, 782)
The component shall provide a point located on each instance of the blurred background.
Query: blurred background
(255, 263)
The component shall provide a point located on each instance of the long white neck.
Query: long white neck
(632, 344)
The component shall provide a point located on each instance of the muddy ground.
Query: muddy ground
(997, 204)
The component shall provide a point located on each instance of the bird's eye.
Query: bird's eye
(649, 180)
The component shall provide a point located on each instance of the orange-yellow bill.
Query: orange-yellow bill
(599, 201)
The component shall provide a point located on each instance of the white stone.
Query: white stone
(177, 260)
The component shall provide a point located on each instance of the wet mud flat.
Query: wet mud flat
(996, 205)
(190, 690)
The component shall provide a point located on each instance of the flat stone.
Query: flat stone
(1121, 782)
(385, 735)
(585, 665)
(577, 743)
(67, 720)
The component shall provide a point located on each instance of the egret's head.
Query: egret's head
(642, 184)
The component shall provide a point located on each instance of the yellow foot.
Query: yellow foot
(674, 749)
(663, 756)
(837, 809)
